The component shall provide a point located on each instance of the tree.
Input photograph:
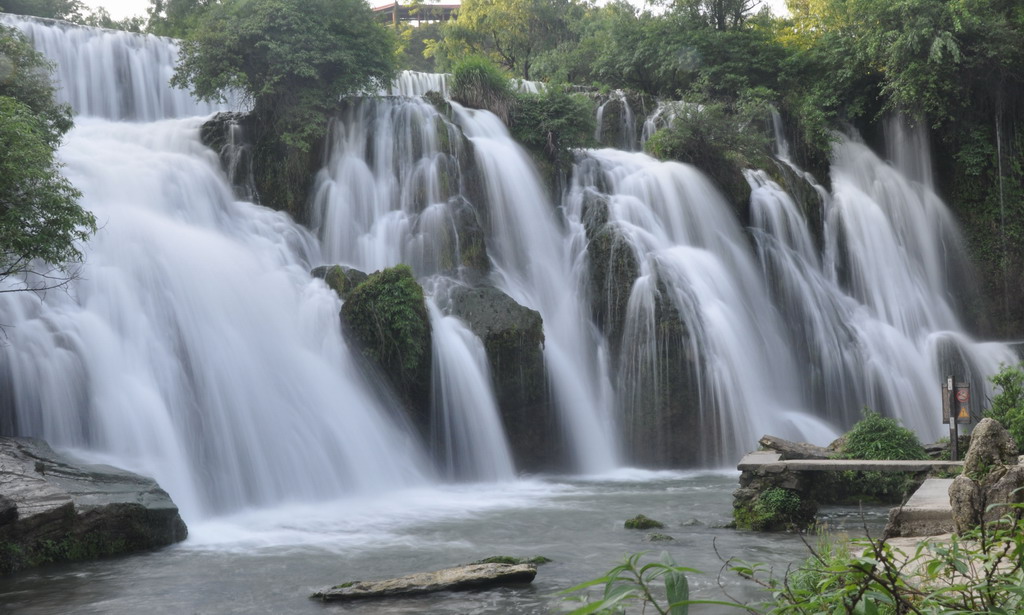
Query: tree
(41, 221)
(175, 18)
(512, 32)
(100, 18)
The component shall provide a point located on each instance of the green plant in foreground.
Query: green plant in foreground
(981, 571)
(633, 583)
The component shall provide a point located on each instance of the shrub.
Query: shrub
(553, 122)
(478, 83)
(879, 437)
(1008, 404)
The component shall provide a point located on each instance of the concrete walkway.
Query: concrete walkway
(926, 513)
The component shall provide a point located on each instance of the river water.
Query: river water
(269, 561)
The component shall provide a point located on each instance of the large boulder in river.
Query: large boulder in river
(53, 509)
(513, 337)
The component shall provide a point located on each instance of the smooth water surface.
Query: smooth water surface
(269, 561)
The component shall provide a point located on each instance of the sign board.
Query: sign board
(961, 403)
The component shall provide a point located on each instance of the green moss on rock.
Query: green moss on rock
(641, 522)
(342, 280)
(774, 509)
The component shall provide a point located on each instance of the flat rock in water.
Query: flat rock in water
(470, 576)
(53, 508)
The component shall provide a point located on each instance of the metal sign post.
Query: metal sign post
(953, 436)
(956, 409)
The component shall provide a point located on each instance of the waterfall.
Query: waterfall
(694, 264)
(402, 203)
(538, 263)
(194, 346)
(466, 426)
(109, 73)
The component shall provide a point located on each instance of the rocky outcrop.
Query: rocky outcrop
(227, 133)
(470, 576)
(513, 337)
(613, 268)
(53, 509)
(992, 479)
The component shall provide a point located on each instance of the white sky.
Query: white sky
(119, 9)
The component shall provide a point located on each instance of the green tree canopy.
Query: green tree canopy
(292, 59)
(41, 222)
(511, 32)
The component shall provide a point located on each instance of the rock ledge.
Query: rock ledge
(54, 509)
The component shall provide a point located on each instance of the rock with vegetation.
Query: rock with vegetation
(776, 508)
(513, 338)
(459, 578)
(386, 317)
(992, 479)
(339, 278)
(642, 522)
(53, 509)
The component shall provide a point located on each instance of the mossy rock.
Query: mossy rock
(641, 522)
(656, 537)
(342, 280)
(774, 509)
(387, 319)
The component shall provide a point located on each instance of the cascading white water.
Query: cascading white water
(194, 347)
(538, 264)
(410, 83)
(400, 205)
(873, 319)
(111, 74)
(693, 254)
(384, 195)
(466, 424)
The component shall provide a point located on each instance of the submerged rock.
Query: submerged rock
(470, 576)
(53, 509)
